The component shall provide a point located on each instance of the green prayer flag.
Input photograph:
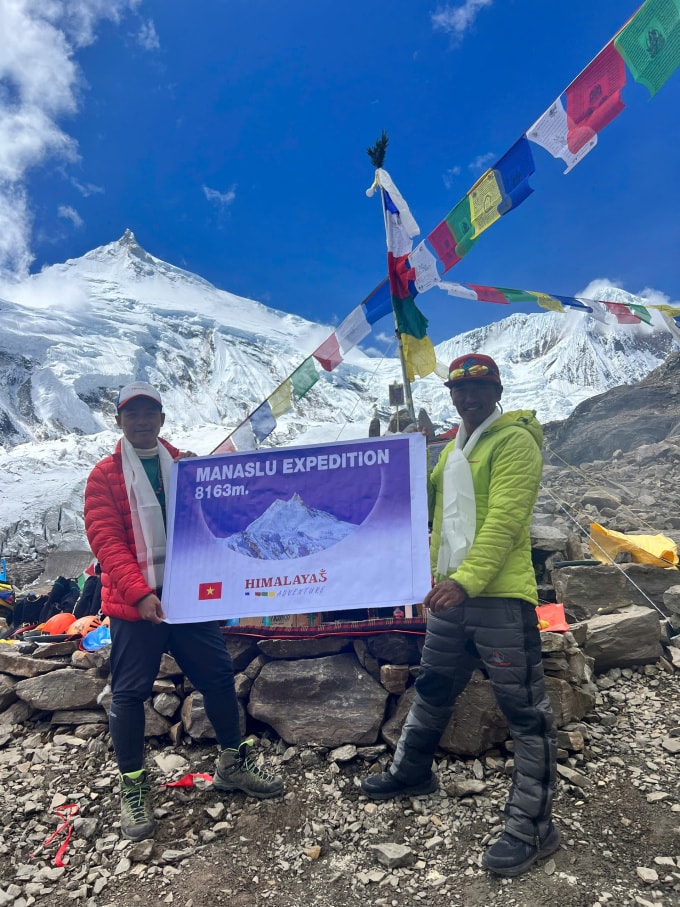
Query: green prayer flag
(517, 295)
(641, 312)
(459, 222)
(650, 43)
(304, 377)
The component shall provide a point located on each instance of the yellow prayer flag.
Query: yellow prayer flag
(419, 356)
(280, 400)
(485, 197)
(548, 302)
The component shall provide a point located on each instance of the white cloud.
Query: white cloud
(456, 20)
(481, 162)
(449, 176)
(87, 189)
(39, 83)
(220, 199)
(69, 213)
(147, 36)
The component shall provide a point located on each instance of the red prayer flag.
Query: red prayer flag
(622, 313)
(328, 354)
(444, 242)
(594, 97)
(208, 591)
(488, 294)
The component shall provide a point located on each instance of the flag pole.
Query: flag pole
(377, 155)
(408, 396)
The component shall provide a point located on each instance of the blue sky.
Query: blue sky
(230, 136)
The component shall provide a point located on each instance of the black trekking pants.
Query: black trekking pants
(500, 634)
(136, 651)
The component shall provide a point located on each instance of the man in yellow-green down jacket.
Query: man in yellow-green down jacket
(482, 612)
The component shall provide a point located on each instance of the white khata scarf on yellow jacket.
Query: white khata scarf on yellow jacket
(459, 511)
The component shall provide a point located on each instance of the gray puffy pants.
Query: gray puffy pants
(502, 635)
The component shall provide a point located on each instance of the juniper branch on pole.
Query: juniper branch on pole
(377, 152)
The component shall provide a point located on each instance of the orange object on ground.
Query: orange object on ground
(58, 623)
(83, 625)
(551, 618)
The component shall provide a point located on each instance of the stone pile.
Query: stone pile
(617, 806)
(331, 691)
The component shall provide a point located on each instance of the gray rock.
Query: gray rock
(393, 855)
(17, 665)
(335, 701)
(624, 640)
(66, 688)
(303, 648)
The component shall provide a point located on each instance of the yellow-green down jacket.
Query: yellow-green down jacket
(506, 467)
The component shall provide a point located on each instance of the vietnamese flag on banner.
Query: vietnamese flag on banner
(208, 591)
(594, 97)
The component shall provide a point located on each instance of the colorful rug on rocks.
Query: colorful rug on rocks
(369, 627)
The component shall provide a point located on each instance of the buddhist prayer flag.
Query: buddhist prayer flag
(573, 303)
(550, 132)
(424, 264)
(599, 313)
(549, 302)
(262, 421)
(378, 303)
(621, 312)
(419, 355)
(280, 400)
(328, 354)
(485, 196)
(517, 296)
(488, 294)
(227, 446)
(457, 289)
(353, 329)
(512, 175)
(444, 242)
(594, 97)
(640, 311)
(304, 377)
(650, 42)
(243, 437)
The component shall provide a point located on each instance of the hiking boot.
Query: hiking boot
(510, 856)
(235, 770)
(136, 819)
(386, 786)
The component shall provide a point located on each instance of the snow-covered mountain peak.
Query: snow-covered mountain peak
(73, 334)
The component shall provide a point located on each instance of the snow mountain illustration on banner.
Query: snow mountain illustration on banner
(289, 529)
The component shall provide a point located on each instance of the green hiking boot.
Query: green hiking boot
(136, 818)
(235, 770)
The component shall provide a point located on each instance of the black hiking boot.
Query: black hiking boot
(510, 856)
(136, 818)
(385, 786)
(235, 770)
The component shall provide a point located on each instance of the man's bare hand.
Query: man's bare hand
(186, 453)
(444, 595)
(150, 609)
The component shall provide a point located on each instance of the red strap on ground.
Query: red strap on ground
(67, 813)
(188, 780)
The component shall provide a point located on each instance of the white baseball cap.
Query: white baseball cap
(137, 389)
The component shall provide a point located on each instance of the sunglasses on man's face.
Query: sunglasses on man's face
(470, 371)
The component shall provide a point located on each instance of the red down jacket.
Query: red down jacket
(108, 525)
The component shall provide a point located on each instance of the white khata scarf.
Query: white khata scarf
(147, 516)
(459, 512)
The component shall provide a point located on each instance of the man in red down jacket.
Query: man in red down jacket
(125, 525)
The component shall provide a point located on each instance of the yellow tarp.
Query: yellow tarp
(657, 550)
